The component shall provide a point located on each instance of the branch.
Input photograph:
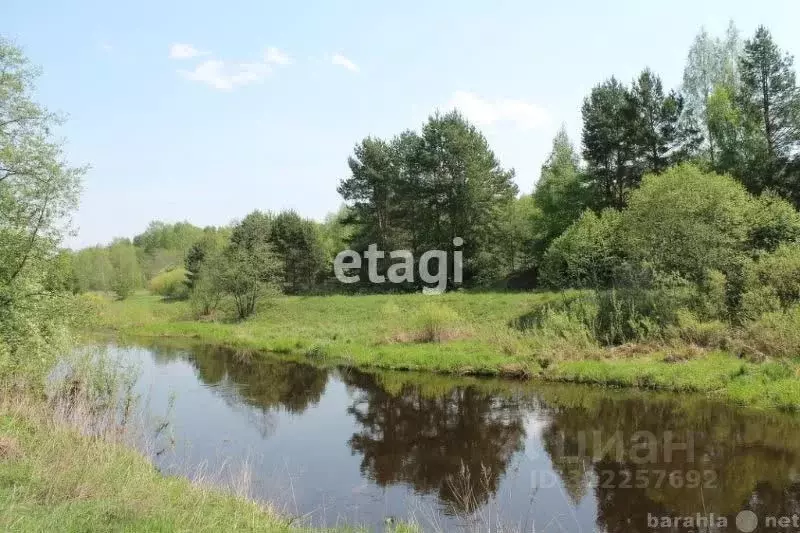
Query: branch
(31, 241)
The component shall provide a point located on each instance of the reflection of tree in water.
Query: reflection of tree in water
(255, 381)
(752, 455)
(431, 441)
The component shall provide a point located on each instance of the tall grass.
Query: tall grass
(78, 461)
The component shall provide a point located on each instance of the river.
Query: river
(344, 446)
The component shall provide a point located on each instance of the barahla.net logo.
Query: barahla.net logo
(401, 270)
(746, 521)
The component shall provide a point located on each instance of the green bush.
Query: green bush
(758, 301)
(687, 221)
(774, 222)
(713, 295)
(585, 255)
(170, 284)
(774, 334)
(689, 328)
(780, 271)
(564, 330)
(435, 322)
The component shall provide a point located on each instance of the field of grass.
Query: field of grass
(459, 333)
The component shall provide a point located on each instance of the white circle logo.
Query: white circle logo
(746, 521)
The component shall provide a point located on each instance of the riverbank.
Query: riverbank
(460, 333)
(55, 478)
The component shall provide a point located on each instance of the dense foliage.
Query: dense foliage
(38, 191)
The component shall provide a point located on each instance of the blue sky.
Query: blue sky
(204, 111)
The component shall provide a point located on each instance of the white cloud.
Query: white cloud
(224, 77)
(342, 61)
(183, 51)
(483, 112)
(276, 57)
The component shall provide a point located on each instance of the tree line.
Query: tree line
(727, 139)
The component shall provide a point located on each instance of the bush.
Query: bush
(434, 323)
(585, 255)
(774, 222)
(170, 284)
(566, 330)
(687, 221)
(774, 334)
(711, 334)
(757, 302)
(713, 295)
(639, 309)
(780, 271)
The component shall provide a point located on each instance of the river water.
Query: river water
(344, 446)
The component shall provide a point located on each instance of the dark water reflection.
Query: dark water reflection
(343, 445)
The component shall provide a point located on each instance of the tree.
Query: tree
(712, 62)
(127, 275)
(518, 231)
(739, 150)
(771, 98)
(210, 244)
(655, 128)
(371, 190)
(38, 192)
(420, 191)
(253, 231)
(248, 274)
(586, 254)
(463, 191)
(560, 194)
(608, 144)
(93, 269)
(297, 243)
(249, 268)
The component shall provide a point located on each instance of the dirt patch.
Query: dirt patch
(9, 448)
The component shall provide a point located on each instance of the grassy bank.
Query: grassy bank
(465, 333)
(53, 478)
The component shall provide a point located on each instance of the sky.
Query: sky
(204, 111)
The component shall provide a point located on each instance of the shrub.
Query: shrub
(435, 322)
(774, 334)
(687, 221)
(713, 295)
(757, 302)
(711, 333)
(585, 255)
(170, 284)
(780, 271)
(564, 330)
(774, 222)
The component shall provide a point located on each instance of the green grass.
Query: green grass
(54, 479)
(474, 337)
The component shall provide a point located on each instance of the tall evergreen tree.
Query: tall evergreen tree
(655, 125)
(607, 144)
(771, 98)
(464, 192)
(371, 190)
(560, 194)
